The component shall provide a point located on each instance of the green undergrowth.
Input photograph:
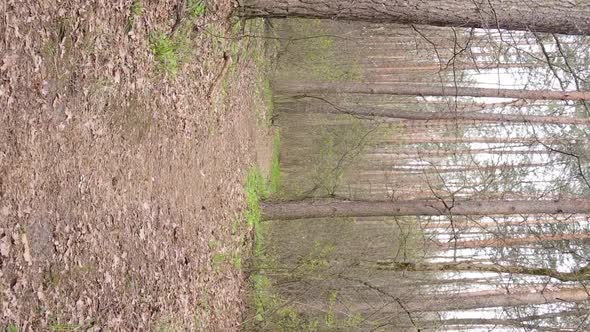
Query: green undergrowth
(245, 45)
(257, 189)
(135, 11)
(264, 103)
(268, 310)
(307, 55)
(264, 100)
(195, 8)
(165, 52)
(263, 297)
(275, 166)
(172, 50)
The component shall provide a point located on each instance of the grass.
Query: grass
(213, 244)
(195, 8)
(316, 59)
(172, 50)
(275, 166)
(237, 261)
(269, 311)
(217, 260)
(12, 328)
(258, 188)
(64, 327)
(264, 100)
(165, 52)
(166, 325)
(269, 102)
(135, 11)
(329, 315)
(264, 297)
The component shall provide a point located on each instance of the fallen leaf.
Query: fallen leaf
(5, 246)
(27, 253)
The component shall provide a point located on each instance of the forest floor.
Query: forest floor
(126, 134)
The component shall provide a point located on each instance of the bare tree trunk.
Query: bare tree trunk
(429, 90)
(484, 117)
(502, 242)
(553, 16)
(398, 168)
(413, 153)
(495, 299)
(435, 68)
(579, 275)
(485, 225)
(467, 140)
(339, 208)
(521, 322)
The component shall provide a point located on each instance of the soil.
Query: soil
(121, 187)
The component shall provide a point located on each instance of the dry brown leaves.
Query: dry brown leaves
(118, 185)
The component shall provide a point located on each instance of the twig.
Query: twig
(226, 62)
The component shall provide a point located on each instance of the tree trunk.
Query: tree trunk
(429, 169)
(515, 241)
(522, 322)
(552, 16)
(484, 117)
(579, 275)
(465, 324)
(486, 225)
(469, 140)
(476, 300)
(341, 209)
(430, 90)
(413, 153)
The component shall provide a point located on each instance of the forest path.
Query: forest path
(121, 170)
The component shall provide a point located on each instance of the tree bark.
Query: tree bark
(466, 324)
(342, 209)
(483, 117)
(430, 90)
(579, 275)
(468, 140)
(552, 16)
(441, 170)
(507, 242)
(526, 322)
(517, 297)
